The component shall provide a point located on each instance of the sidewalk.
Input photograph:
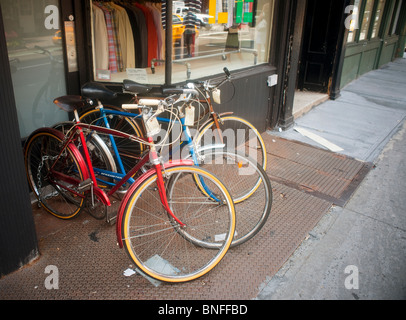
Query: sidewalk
(357, 251)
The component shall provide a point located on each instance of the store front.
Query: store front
(51, 48)
(373, 36)
(196, 41)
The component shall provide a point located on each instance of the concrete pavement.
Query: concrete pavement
(357, 251)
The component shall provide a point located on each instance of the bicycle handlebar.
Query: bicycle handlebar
(52, 58)
(206, 84)
(42, 49)
(227, 72)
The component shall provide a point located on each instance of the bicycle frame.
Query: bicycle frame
(189, 141)
(104, 198)
(127, 176)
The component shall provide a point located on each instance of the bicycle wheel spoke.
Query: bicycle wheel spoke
(42, 152)
(249, 186)
(165, 250)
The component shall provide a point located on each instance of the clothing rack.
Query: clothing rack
(186, 61)
(127, 34)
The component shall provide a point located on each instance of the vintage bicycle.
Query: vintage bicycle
(170, 229)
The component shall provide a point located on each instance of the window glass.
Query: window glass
(353, 22)
(36, 59)
(207, 36)
(378, 18)
(366, 20)
(395, 18)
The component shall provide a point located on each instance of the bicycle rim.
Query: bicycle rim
(249, 187)
(157, 244)
(58, 197)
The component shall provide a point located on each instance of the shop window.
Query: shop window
(378, 18)
(366, 20)
(36, 60)
(128, 38)
(395, 18)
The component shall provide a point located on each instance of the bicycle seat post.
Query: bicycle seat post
(76, 114)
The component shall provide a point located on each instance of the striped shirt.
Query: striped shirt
(111, 35)
(189, 20)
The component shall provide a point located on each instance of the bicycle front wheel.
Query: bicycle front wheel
(158, 245)
(237, 134)
(56, 189)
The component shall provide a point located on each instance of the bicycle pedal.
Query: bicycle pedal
(111, 218)
(85, 185)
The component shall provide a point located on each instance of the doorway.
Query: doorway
(321, 29)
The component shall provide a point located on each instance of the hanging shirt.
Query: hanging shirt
(125, 37)
(141, 46)
(152, 36)
(111, 35)
(156, 14)
(100, 40)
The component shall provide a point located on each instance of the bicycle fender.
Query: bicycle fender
(134, 186)
(75, 151)
(102, 196)
(211, 120)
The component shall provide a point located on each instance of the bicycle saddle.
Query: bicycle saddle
(136, 87)
(94, 90)
(69, 103)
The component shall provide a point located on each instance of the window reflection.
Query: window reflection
(378, 18)
(36, 60)
(366, 21)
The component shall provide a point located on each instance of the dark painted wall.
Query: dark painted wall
(18, 241)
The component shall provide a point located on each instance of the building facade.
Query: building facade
(50, 48)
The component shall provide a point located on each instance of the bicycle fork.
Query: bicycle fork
(160, 182)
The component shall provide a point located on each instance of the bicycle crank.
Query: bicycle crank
(95, 207)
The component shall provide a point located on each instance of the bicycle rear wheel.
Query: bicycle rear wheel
(130, 151)
(158, 245)
(238, 135)
(249, 187)
(56, 189)
(100, 155)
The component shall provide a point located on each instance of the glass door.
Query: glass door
(34, 43)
